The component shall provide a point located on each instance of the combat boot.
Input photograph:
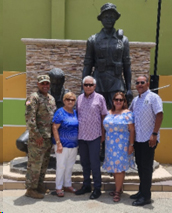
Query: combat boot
(41, 189)
(33, 194)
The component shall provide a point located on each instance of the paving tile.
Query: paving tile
(131, 187)
(156, 188)
(167, 188)
(13, 185)
(109, 186)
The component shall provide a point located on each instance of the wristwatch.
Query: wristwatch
(154, 133)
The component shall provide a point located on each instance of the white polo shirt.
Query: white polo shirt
(145, 109)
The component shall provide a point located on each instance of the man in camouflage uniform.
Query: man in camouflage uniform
(40, 108)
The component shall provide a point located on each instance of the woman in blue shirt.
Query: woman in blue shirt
(65, 140)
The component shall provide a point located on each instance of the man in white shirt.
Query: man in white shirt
(148, 115)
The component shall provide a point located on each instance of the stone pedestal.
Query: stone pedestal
(44, 54)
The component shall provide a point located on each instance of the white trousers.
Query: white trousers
(64, 166)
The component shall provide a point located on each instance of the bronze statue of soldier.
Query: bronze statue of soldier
(108, 53)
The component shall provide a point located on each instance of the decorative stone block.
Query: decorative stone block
(44, 54)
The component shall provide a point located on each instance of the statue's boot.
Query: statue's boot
(33, 193)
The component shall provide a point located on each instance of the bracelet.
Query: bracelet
(57, 142)
(154, 133)
(131, 144)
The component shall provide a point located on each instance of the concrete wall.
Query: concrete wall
(1, 118)
(163, 151)
(14, 96)
(22, 19)
(1, 36)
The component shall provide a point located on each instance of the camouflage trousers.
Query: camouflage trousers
(38, 160)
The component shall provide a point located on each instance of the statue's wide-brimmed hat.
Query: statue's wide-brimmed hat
(42, 78)
(108, 6)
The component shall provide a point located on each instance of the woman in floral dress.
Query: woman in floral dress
(119, 142)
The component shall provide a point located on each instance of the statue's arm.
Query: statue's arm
(126, 63)
(89, 57)
(127, 68)
(127, 76)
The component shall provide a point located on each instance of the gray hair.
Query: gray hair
(145, 76)
(88, 77)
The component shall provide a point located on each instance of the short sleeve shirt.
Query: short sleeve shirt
(68, 130)
(89, 112)
(145, 109)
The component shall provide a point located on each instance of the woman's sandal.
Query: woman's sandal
(69, 189)
(117, 197)
(113, 193)
(59, 193)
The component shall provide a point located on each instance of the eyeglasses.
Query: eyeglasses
(88, 85)
(44, 83)
(140, 82)
(68, 99)
(118, 99)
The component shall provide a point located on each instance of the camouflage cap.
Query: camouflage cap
(42, 78)
(108, 6)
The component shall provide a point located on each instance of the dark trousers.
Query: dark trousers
(144, 160)
(89, 156)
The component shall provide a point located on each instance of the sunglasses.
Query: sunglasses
(118, 99)
(88, 85)
(69, 99)
(140, 82)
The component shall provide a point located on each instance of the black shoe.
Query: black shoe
(136, 196)
(95, 194)
(83, 190)
(141, 202)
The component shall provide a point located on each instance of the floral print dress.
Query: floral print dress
(117, 142)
